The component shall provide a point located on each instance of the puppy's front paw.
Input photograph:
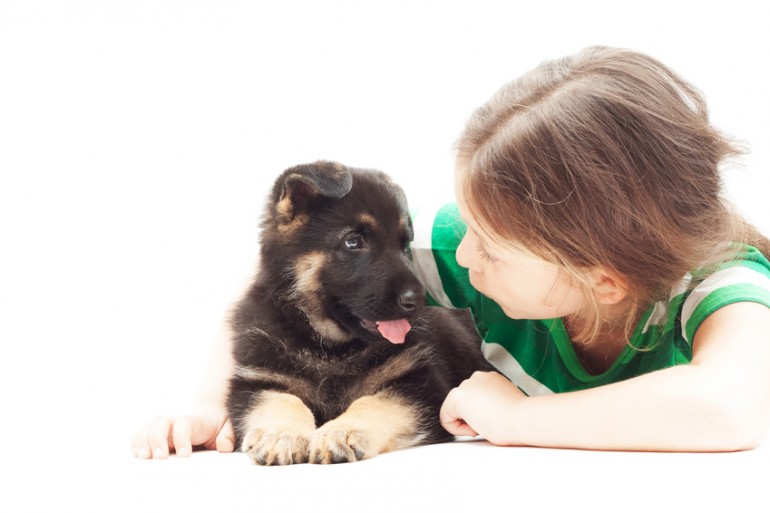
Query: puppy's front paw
(339, 444)
(276, 447)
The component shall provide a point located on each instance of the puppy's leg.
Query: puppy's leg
(277, 429)
(371, 425)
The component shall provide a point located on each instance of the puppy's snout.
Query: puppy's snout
(410, 300)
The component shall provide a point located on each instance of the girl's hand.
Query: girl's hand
(209, 429)
(481, 406)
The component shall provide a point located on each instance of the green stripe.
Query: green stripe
(448, 230)
(725, 296)
(748, 256)
(572, 362)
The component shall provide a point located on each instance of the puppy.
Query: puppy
(336, 357)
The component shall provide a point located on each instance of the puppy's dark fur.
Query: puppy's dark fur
(315, 380)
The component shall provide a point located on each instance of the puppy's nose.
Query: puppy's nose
(409, 300)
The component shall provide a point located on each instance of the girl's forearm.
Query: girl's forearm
(214, 387)
(216, 380)
(676, 409)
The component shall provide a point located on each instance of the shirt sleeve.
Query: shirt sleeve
(747, 278)
(438, 231)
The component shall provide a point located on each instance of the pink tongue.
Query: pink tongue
(395, 331)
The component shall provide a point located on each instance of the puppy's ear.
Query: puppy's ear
(298, 185)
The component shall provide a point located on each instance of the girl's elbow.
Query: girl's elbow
(749, 436)
(738, 440)
(741, 441)
(740, 427)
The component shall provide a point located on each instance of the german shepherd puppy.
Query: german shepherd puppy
(336, 358)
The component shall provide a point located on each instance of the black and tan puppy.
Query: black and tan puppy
(336, 357)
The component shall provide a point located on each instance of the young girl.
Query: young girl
(623, 303)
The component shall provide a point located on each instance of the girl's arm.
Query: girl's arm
(207, 426)
(719, 402)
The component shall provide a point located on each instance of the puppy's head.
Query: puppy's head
(342, 235)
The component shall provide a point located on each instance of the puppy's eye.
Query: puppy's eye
(354, 242)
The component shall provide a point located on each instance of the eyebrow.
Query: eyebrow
(481, 238)
(367, 221)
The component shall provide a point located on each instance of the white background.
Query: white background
(138, 140)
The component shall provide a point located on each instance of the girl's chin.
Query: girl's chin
(518, 314)
(514, 314)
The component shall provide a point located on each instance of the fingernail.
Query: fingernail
(159, 453)
(182, 452)
(144, 454)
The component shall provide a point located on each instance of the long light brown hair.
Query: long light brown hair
(603, 158)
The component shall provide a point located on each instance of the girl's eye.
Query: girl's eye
(354, 242)
(484, 255)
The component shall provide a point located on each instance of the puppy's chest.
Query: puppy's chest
(328, 383)
(332, 372)
(366, 368)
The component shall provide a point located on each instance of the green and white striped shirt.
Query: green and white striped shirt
(537, 355)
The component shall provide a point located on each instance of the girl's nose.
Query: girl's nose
(464, 253)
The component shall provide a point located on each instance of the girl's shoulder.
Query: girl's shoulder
(745, 277)
(438, 230)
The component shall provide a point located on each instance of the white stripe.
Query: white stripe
(507, 364)
(724, 278)
(422, 254)
(659, 315)
(681, 287)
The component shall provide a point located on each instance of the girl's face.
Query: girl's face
(524, 285)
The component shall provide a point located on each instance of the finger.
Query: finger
(158, 437)
(204, 430)
(458, 427)
(226, 438)
(140, 447)
(182, 436)
(450, 417)
(453, 422)
(449, 407)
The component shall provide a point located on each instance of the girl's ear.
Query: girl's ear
(610, 287)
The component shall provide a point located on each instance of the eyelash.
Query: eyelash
(484, 255)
